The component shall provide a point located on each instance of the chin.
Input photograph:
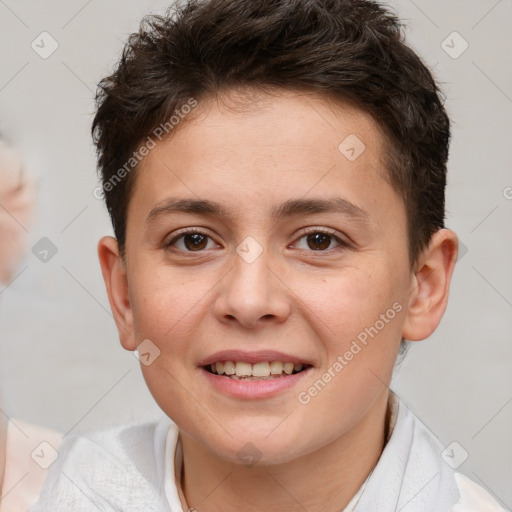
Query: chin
(249, 448)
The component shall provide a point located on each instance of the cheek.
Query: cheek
(170, 306)
(353, 298)
(157, 303)
(361, 321)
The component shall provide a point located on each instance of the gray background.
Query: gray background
(61, 363)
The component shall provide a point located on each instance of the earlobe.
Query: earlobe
(114, 275)
(430, 287)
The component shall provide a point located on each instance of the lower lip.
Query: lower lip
(247, 389)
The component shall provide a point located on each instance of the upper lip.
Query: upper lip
(253, 357)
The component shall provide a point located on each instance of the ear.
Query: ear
(116, 282)
(430, 286)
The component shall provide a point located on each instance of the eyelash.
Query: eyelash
(326, 231)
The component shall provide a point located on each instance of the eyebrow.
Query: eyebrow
(287, 209)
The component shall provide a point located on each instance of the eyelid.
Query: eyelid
(343, 240)
(187, 231)
(303, 232)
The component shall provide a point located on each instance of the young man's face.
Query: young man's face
(271, 276)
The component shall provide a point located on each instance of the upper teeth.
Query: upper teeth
(263, 369)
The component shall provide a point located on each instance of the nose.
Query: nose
(252, 294)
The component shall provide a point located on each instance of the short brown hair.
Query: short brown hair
(352, 50)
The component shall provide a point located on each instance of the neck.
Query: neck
(322, 481)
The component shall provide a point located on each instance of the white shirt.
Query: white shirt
(132, 469)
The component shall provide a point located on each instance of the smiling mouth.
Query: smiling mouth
(239, 370)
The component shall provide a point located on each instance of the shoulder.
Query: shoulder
(119, 468)
(116, 447)
(473, 497)
(453, 491)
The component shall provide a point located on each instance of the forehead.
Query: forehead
(245, 123)
(269, 148)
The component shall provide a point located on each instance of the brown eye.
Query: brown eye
(191, 241)
(319, 241)
(195, 241)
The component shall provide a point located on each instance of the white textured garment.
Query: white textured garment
(132, 469)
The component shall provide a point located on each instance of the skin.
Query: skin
(16, 213)
(17, 198)
(292, 298)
